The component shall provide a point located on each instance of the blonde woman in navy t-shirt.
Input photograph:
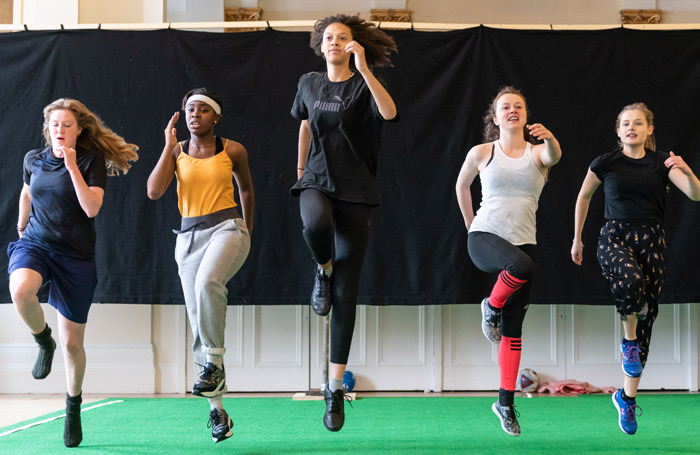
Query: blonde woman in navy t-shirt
(63, 190)
(631, 247)
(341, 112)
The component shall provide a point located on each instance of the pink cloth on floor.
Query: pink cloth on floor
(572, 386)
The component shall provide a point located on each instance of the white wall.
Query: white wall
(146, 349)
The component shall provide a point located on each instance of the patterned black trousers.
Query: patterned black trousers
(632, 258)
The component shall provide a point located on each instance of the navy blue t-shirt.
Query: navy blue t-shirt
(57, 222)
(635, 189)
(345, 137)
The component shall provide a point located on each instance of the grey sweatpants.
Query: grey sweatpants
(216, 255)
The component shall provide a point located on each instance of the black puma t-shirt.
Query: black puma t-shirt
(635, 189)
(57, 222)
(345, 137)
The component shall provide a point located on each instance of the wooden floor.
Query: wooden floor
(20, 407)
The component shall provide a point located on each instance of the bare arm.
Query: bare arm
(583, 201)
(164, 171)
(385, 104)
(304, 141)
(25, 204)
(682, 176)
(549, 153)
(241, 172)
(467, 174)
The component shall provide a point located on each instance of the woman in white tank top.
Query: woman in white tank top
(502, 236)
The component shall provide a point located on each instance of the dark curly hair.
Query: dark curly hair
(491, 130)
(378, 45)
(205, 92)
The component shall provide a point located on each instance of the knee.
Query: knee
(73, 346)
(523, 268)
(22, 292)
(209, 288)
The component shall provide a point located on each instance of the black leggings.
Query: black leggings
(492, 254)
(328, 221)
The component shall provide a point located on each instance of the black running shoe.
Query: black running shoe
(334, 418)
(220, 424)
(509, 418)
(322, 295)
(211, 382)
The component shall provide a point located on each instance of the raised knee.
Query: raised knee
(22, 293)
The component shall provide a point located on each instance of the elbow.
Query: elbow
(153, 193)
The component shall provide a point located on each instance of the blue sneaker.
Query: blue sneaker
(627, 411)
(631, 364)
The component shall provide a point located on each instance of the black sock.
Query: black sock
(626, 397)
(72, 429)
(47, 346)
(506, 397)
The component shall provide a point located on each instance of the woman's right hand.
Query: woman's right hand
(171, 131)
(577, 253)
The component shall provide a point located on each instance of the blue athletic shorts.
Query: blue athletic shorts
(71, 281)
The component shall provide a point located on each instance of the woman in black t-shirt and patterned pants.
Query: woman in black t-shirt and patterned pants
(341, 113)
(631, 246)
(62, 193)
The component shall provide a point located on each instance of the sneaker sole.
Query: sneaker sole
(498, 414)
(619, 422)
(211, 394)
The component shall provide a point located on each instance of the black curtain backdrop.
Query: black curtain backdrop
(576, 82)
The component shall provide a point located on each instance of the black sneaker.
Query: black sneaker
(322, 295)
(334, 418)
(220, 424)
(211, 382)
(509, 418)
(490, 322)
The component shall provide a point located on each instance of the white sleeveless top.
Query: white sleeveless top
(510, 189)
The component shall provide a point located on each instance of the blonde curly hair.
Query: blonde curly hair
(118, 154)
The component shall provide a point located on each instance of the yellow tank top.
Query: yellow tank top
(204, 185)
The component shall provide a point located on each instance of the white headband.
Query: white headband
(205, 99)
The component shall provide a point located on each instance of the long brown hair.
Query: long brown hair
(95, 135)
(491, 130)
(650, 143)
(378, 45)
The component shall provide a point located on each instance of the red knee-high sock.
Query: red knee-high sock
(509, 361)
(505, 286)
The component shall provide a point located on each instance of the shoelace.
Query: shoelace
(632, 352)
(335, 405)
(324, 284)
(216, 420)
(631, 411)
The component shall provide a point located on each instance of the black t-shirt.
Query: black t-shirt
(635, 189)
(345, 137)
(57, 222)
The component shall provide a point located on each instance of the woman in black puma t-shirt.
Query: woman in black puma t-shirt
(341, 112)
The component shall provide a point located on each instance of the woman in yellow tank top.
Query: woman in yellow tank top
(213, 241)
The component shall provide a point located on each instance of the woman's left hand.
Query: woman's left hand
(539, 132)
(676, 162)
(355, 48)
